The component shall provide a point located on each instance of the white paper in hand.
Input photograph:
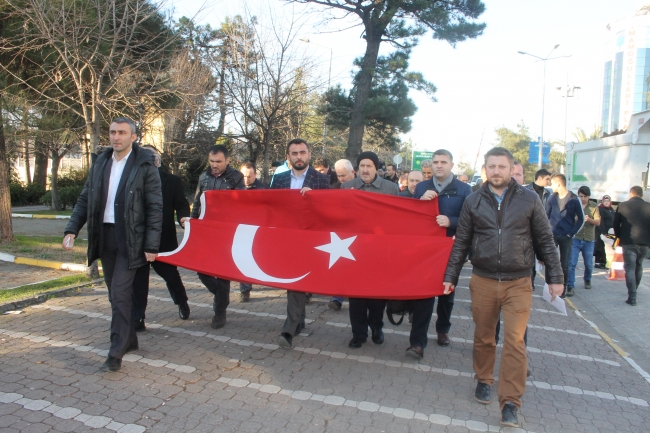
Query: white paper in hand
(558, 303)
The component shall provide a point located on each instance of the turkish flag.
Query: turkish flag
(331, 242)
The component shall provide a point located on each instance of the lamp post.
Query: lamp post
(543, 59)
(567, 92)
(329, 83)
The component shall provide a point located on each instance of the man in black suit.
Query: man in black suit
(173, 201)
(218, 176)
(249, 171)
(631, 226)
(122, 204)
(305, 178)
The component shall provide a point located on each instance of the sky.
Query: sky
(483, 84)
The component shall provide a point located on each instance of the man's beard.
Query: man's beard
(299, 165)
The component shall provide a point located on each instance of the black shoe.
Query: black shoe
(378, 336)
(482, 393)
(244, 296)
(563, 295)
(284, 340)
(218, 321)
(415, 352)
(569, 291)
(632, 302)
(133, 347)
(111, 364)
(509, 415)
(528, 372)
(308, 296)
(335, 305)
(587, 284)
(356, 343)
(184, 311)
(139, 325)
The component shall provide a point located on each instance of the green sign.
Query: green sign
(418, 157)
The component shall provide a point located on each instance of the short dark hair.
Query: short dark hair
(219, 148)
(392, 165)
(248, 164)
(444, 152)
(542, 172)
(320, 162)
(560, 177)
(126, 120)
(297, 141)
(277, 163)
(584, 190)
(500, 151)
(636, 191)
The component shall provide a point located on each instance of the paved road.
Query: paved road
(188, 377)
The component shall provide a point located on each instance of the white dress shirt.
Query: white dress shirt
(298, 181)
(117, 168)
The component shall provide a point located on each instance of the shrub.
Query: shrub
(67, 197)
(72, 178)
(25, 195)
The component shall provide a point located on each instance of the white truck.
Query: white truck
(612, 165)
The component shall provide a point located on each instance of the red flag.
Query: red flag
(330, 242)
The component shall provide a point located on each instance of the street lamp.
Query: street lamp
(543, 59)
(329, 83)
(567, 92)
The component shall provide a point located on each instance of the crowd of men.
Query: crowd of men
(503, 226)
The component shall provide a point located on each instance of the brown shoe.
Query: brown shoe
(443, 339)
(415, 352)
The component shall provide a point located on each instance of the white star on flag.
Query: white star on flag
(338, 248)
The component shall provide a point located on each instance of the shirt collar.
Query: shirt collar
(123, 159)
(304, 173)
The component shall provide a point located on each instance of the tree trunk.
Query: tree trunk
(6, 231)
(267, 145)
(363, 85)
(26, 155)
(56, 159)
(40, 167)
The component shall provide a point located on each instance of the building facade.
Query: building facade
(626, 70)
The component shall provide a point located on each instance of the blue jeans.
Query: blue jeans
(587, 249)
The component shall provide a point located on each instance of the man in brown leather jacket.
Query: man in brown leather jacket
(498, 223)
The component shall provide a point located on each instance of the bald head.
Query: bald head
(414, 178)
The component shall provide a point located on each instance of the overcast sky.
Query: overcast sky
(483, 84)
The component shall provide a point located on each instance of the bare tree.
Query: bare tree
(104, 57)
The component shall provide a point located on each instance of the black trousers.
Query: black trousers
(296, 314)
(445, 307)
(564, 242)
(119, 280)
(366, 313)
(600, 256)
(220, 289)
(167, 272)
(422, 310)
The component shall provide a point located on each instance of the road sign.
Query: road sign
(397, 159)
(418, 157)
(533, 152)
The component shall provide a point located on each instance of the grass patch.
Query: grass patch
(67, 212)
(46, 248)
(39, 288)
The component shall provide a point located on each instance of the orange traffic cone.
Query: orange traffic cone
(617, 269)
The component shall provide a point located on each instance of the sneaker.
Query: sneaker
(284, 340)
(587, 284)
(569, 291)
(335, 305)
(244, 296)
(509, 415)
(482, 393)
(218, 321)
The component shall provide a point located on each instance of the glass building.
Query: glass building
(627, 70)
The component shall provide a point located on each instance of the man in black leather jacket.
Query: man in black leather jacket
(499, 223)
(219, 175)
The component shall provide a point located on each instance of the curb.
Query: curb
(43, 263)
(40, 298)
(37, 216)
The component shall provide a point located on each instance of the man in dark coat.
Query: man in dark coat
(303, 177)
(631, 223)
(607, 213)
(219, 175)
(174, 201)
(122, 204)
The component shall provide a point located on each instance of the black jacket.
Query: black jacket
(173, 201)
(606, 220)
(313, 180)
(632, 222)
(142, 201)
(230, 179)
(258, 184)
(501, 236)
